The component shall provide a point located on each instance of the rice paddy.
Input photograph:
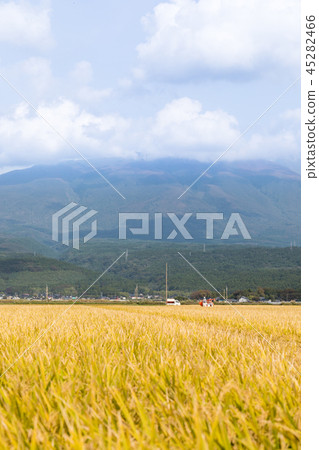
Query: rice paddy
(148, 377)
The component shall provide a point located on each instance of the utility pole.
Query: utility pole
(226, 291)
(166, 285)
(204, 248)
(126, 255)
(46, 292)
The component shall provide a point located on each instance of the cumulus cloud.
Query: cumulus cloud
(180, 129)
(183, 129)
(25, 24)
(280, 142)
(34, 76)
(188, 39)
(25, 138)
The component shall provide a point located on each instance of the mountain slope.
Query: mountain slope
(266, 195)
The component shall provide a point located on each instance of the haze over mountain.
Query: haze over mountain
(266, 195)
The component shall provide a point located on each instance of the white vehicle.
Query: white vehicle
(172, 302)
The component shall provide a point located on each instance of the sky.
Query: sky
(148, 79)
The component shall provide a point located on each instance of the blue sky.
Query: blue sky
(149, 79)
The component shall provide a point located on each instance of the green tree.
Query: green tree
(199, 295)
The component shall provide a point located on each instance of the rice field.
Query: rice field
(148, 377)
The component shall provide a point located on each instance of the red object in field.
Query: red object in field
(209, 302)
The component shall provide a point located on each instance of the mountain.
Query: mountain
(266, 195)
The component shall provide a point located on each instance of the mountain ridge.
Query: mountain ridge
(266, 195)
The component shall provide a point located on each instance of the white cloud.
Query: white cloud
(292, 116)
(282, 142)
(279, 142)
(34, 77)
(282, 145)
(38, 73)
(31, 76)
(25, 24)
(82, 72)
(188, 39)
(25, 138)
(87, 94)
(81, 79)
(183, 129)
(6, 169)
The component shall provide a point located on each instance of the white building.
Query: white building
(243, 300)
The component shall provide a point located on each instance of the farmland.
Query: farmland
(150, 377)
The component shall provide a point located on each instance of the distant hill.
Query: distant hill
(266, 195)
(238, 267)
(30, 274)
(22, 245)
